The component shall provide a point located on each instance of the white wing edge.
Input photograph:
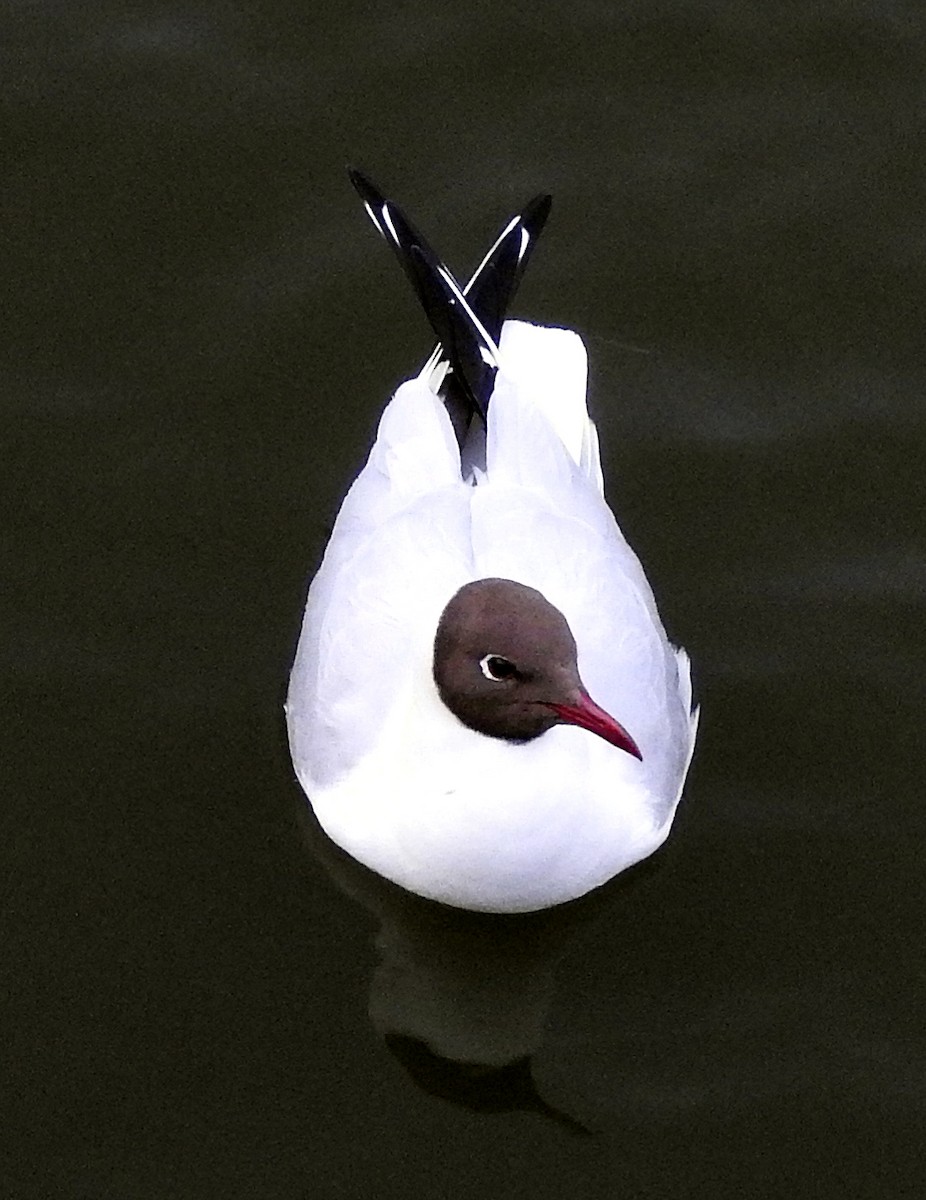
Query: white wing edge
(694, 711)
(549, 365)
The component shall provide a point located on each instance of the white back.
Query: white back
(409, 535)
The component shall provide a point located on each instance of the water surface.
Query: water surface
(200, 331)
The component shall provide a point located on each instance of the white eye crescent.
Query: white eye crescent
(497, 668)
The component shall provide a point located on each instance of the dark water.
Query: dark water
(199, 332)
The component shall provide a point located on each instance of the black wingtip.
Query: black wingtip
(467, 321)
(372, 197)
(536, 211)
(463, 341)
(366, 188)
(496, 279)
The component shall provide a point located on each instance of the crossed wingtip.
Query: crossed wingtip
(467, 321)
(362, 182)
(534, 213)
(537, 210)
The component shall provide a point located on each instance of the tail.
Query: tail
(467, 321)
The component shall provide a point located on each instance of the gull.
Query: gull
(484, 706)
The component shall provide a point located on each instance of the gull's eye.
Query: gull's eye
(497, 668)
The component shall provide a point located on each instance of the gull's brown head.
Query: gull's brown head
(505, 664)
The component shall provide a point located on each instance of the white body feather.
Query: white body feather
(393, 776)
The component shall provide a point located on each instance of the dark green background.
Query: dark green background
(199, 331)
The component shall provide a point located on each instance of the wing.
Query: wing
(540, 518)
(400, 546)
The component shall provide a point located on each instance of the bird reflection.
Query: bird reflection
(461, 999)
(479, 1087)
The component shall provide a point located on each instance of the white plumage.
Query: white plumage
(394, 777)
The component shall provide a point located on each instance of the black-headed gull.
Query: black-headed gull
(475, 594)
